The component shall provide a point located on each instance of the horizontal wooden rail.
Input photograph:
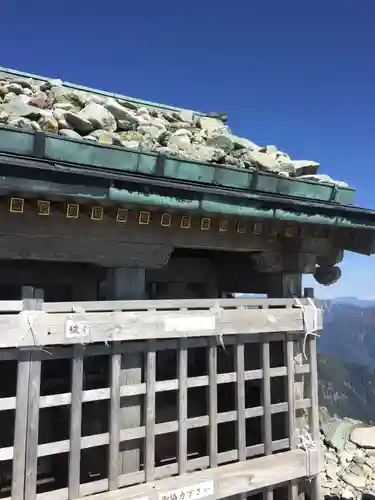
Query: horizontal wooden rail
(146, 305)
(38, 328)
(221, 482)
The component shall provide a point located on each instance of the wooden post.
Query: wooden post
(128, 283)
(287, 285)
(20, 430)
(312, 389)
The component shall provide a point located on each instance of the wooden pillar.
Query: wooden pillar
(128, 283)
(288, 285)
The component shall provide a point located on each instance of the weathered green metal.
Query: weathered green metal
(101, 156)
(207, 203)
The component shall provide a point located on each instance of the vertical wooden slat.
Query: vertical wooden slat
(240, 392)
(114, 422)
(20, 426)
(240, 404)
(32, 426)
(290, 285)
(128, 283)
(267, 421)
(76, 422)
(182, 405)
(22, 395)
(314, 486)
(314, 413)
(293, 485)
(212, 401)
(150, 410)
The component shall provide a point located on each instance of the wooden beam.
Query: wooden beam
(75, 328)
(221, 482)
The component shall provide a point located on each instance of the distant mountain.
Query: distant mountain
(349, 331)
(355, 301)
(346, 359)
(347, 389)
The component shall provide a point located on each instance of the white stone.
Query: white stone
(99, 117)
(223, 142)
(347, 494)
(152, 131)
(78, 122)
(72, 134)
(186, 116)
(55, 82)
(363, 437)
(358, 482)
(210, 124)
(303, 167)
(16, 88)
(181, 141)
(265, 160)
(118, 111)
(103, 136)
(90, 138)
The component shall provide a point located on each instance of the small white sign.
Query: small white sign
(186, 324)
(76, 329)
(193, 492)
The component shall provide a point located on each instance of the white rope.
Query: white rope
(306, 442)
(31, 317)
(310, 326)
(217, 310)
(310, 447)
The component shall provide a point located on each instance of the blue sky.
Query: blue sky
(297, 74)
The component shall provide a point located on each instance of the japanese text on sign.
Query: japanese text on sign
(76, 330)
(194, 492)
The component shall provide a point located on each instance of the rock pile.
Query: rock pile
(349, 468)
(51, 107)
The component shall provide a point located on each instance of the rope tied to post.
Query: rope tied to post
(312, 449)
(31, 317)
(310, 321)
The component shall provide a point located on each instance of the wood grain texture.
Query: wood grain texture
(32, 427)
(114, 419)
(228, 480)
(51, 329)
(76, 423)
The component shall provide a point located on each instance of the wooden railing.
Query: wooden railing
(72, 422)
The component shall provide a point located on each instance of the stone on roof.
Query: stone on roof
(52, 107)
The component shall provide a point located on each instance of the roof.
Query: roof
(119, 158)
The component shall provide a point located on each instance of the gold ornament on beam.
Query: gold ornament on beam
(44, 207)
(185, 222)
(72, 211)
(240, 228)
(122, 215)
(205, 223)
(97, 213)
(223, 225)
(166, 220)
(16, 205)
(144, 218)
(257, 228)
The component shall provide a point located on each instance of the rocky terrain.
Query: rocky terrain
(349, 465)
(51, 107)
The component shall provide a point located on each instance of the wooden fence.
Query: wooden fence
(63, 430)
